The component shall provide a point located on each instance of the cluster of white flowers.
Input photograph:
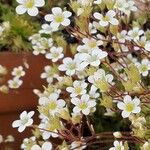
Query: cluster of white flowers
(106, 67)
(29, 6)
(16, 82)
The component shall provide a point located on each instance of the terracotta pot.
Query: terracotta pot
(12, 104)
(22, 98)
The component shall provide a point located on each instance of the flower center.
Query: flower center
(92, 44)
(78, 90)
(106, 18)
(15, 84)
(144, 68)
(129, 107)
(52, 105)
(29, 3)
(71, 66)
(55, 55)
(59, 18)
(24, 120)
(83, 106)
(18, 73)
(118, 147)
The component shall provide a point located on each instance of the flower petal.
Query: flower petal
(20, 9)
(33, 11)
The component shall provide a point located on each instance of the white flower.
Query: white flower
(84, 105)
(29, 6)
(92, 93)
(122, 36)
(58, 17)
(78, 145)
(125, 6)
(46, 29)
(52, 103)
(55, 54)
(129, 106)
(135, 34)
(100, 75)
(35, 38)
(38, 50)
(117, 146)
(108, 18)
(70, 66)
(93, 59)
(45, 146)
(27, 141)
(79, 88)
(143, 67)
(92, 28)
(91, 44)
(25, 121)
(49, 74)
(14, 83)
(18, 72)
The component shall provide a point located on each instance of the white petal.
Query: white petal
(23, 114)
(21, 128)
(125, 114)
(86, 111)
(98, 16)
(136, 110)
(114, 21)
(56, 10)
(127, 99)
(66, 22)
(62, 68)
(47, 146)
(75, 101)
(76, 110)
(35, 147)
(92, 103)
(111, 13)
(103, 23)
(30, 122)
(39, 3)
(121, 105)
(54, 25)
(33, 12)
(20, 1)
(61, 103)
(20, 9)
(49, 17)
(67, 14)
(16, 123)
(30, 114)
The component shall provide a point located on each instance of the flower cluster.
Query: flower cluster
(16, 82)
(98, 72)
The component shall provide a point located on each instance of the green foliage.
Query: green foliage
(20, 29)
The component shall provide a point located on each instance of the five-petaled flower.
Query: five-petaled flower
(84, 104)
(25, 121)
(108, 18)
(58, 17)
(129, 106)
(29, 6)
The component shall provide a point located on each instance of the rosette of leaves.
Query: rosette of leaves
(15, 38)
